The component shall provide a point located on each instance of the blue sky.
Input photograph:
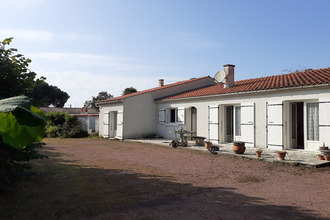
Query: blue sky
(88, 46)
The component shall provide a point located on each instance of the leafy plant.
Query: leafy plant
(64, 125)
(21, 126)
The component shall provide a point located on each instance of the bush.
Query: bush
(64, 125)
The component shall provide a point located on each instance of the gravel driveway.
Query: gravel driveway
(168, 183)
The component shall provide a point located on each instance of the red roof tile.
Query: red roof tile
(151, 90)
(296, 79)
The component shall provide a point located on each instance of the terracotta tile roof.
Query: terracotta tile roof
(296, 79)
(152, 90)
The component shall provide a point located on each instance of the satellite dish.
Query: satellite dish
(220, 76)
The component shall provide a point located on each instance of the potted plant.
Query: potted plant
(321, 157)
(239, 147)
(258, 152)
(208, 144)
(327, 157)
(281, 154)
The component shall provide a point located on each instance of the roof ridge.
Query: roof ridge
(153, 89)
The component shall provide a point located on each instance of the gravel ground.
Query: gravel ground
(168, 183)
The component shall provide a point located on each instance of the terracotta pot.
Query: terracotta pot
(281, 155)
(239, 148)
(208, 145)
(321, 157)
(258, 153)
(327, 157)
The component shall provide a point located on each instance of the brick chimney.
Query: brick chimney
(161, 82)
(229, 80)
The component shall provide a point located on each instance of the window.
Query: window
(173, 115)
(312, 121)
(237, 120)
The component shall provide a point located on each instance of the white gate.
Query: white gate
(106, 125)
(247, 124)
(274, 125)
(213, 122)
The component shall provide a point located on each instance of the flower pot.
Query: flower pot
(208, 145)
(258, 153)
(321, 157)
(327, 157)
(281, 155)
(239, 148)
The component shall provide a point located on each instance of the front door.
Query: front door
(194, 121)
(297, 125)
(229, 123)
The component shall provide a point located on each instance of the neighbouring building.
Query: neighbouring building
(279, 112)
(88, 117)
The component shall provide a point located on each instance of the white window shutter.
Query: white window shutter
(213, 123)
(181, 115)
(247, 124)
(106, 125)
(161, 116)
(324, 121)
(120, 125)
(274, 125)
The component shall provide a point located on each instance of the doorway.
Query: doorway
(229, 124)
(193, 127)
(113, 124)
(297, 125)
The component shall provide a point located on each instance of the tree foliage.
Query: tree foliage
(48, 94)
(129, 90)
(101, 96)
(16, 79)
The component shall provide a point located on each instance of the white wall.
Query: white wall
(140, 113)
(259, 99)
(139, 116)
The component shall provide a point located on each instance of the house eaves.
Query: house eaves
(244, 93)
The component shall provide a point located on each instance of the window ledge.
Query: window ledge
(174, 124)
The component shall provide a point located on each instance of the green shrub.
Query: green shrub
(64, 125)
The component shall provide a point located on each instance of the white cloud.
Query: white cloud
(79, 60)
(21, 4)
(43, 36)
(81, 86)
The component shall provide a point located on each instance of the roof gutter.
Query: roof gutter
(243, 93)
(108, 102)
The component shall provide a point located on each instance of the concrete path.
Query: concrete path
(293, 156)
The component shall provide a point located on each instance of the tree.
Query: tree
(101, 96)
(129, 90)
(48, 94)
(16, 79)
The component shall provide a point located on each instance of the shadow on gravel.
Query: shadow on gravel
(66, 190)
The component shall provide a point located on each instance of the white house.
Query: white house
(279, 112)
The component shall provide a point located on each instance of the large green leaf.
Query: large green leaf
(20, 123)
